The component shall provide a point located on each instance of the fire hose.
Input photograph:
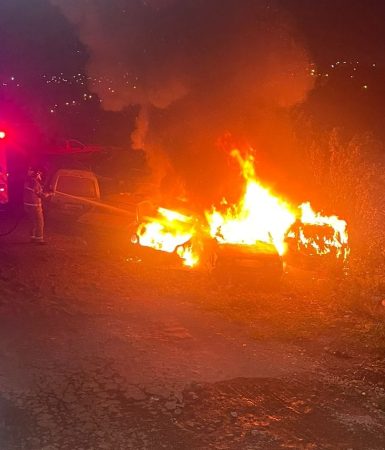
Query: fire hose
(13, 228)
(79, 199)
(93, 203)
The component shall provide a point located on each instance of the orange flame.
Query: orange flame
(169, 232)
(336, 241)
(260, 216)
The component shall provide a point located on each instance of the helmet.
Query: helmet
(35, 172)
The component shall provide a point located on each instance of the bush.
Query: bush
(348, 179)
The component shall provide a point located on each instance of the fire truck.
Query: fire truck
(3, 170)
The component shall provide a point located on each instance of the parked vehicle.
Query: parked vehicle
(73, 146)
(78, 197)
(226, 262)
(247, 263)
(3, 171)
(70, 187)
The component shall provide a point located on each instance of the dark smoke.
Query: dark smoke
(197, 69)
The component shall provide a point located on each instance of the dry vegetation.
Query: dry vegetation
(347, 176)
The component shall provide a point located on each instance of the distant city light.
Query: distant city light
(84, 85)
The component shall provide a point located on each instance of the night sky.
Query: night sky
(36, 38)
(341, 29)
(88, 69)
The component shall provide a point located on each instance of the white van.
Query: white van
(74, 185)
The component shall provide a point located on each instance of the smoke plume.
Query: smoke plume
(197, 69)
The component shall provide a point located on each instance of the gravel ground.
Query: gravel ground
(98, 352)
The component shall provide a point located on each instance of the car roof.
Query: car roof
(75, 173)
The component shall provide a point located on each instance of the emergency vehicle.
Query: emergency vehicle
(3, 170)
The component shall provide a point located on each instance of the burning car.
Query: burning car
(245, 263)
(252, 237)
(180, 239)
(167, 231)
(315, 240)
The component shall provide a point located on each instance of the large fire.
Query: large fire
(259, 216)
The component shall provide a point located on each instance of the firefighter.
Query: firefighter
(33, 195)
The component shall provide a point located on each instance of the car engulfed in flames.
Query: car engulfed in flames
(259, 233)
(171, 232)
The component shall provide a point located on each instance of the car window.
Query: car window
(81, 187)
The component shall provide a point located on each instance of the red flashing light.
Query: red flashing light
(3, 134)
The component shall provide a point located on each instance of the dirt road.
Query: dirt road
(97, 352)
